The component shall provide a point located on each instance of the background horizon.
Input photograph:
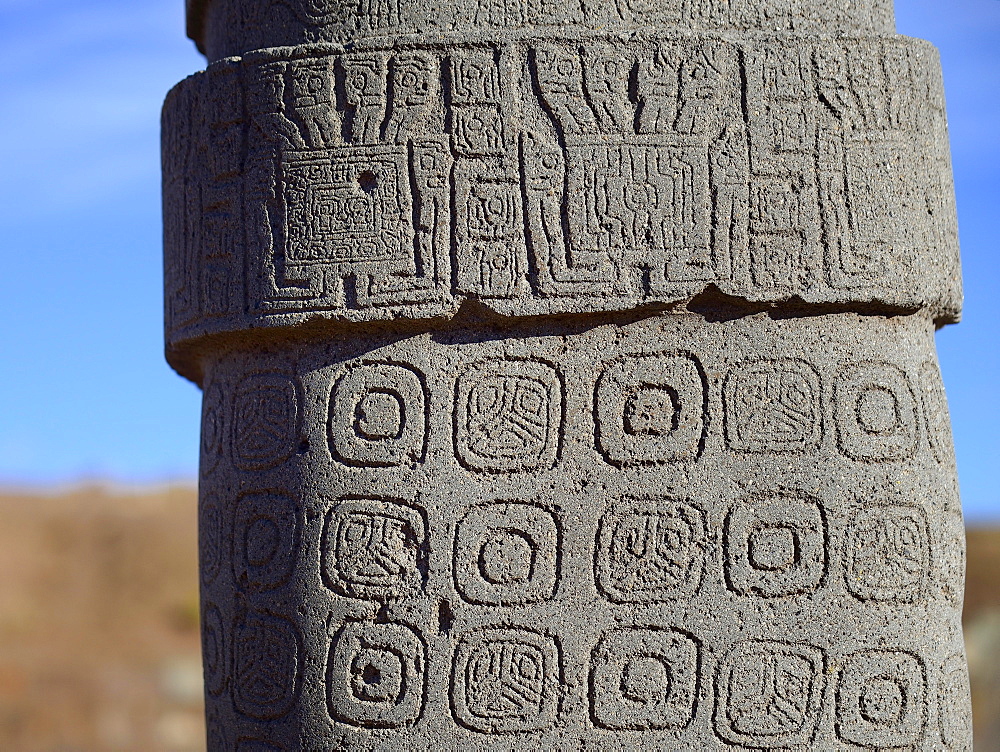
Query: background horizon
(87, 395)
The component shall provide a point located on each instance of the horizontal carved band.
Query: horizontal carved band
(556, 176)
(224, 28)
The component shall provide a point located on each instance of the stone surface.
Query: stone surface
(525, 175)
(569, 375)
(224, 28)
(635, 531)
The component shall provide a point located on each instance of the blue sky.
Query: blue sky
(84, 390)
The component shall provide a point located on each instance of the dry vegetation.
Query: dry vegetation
(982, 634)
(99, 625)
(99, 645)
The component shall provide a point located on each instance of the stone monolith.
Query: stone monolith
(569, 375)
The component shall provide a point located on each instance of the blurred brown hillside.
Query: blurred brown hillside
(99, 624)
(99, 646)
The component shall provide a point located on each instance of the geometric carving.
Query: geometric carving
(651, 409)
(656, 83)
(769, 694)
(887, 557)
(378, 416)
(953, 693)
(507, 554)
(211, 534)
(374, 548)
(508, 416)
(773, 406)
(213, 428)
(266, 421)
(376, 675)
(882, 699)
(783, 200)
(633, 183)
(213, 650)
(266, 657)
(644, 197)
(347, 205)
(648, 168)
(329, 225)
(265, 540)
(649, 550)
(935, 404)
(260, 25)
(876, 413)
(489, 233)
(775, 546)
(505, 681)
(644, 678)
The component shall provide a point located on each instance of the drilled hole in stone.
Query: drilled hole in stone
(367, 181)
(446, 617)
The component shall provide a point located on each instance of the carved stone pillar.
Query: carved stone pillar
(569, 375)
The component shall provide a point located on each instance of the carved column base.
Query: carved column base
(604, 532)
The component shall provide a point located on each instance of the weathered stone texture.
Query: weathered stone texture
(526, 175)
(224, 28)
(569, 375)
(632, 532)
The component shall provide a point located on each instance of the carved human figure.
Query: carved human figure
(265, 104)
(313, 105)
(413, 85)
(364, 83)
(560, 79)
(606, 75)
(658, 90)
(701, 90)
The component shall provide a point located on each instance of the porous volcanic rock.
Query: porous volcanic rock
(569, 375)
